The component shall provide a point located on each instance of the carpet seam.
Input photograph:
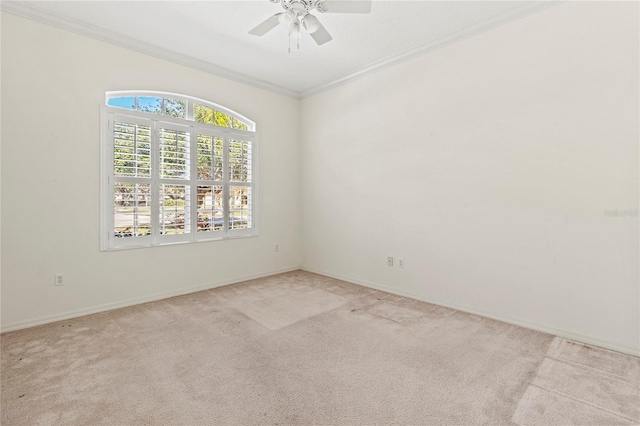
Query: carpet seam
(582, 401)
(595, 370)
(554, 346)
(383, 301)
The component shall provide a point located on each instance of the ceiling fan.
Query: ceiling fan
(297, 13)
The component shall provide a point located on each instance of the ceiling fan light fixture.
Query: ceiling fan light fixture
(295, 30)
(310, 23)
(294, 33)
(296, 14)
(287, 18)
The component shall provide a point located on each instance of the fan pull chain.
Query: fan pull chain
(289, 38)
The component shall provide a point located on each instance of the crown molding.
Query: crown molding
(420, 50)
(25, 10)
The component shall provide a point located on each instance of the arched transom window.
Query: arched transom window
(175, 169)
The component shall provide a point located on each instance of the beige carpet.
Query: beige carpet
(581, 385)
(303, 349)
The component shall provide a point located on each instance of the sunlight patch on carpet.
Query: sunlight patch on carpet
(276, 307)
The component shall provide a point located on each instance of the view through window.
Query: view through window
(175, 169)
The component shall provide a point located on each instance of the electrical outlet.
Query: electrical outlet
(400, 263)
(59, 280)
(390, 261)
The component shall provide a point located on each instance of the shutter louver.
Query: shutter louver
(131, 150)
(174, 154)
(132, 213)
(174, 209)
(239, 161)
(210, 208)
(239, 207)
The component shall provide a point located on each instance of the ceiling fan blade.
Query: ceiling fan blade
(345, 6)
(266, 26)
(321, 35)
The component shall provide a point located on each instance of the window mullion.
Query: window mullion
(189, 107)
(155, 182)
(225, 183)
(193, 184)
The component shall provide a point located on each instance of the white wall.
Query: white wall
(53, 83)
(488, 166)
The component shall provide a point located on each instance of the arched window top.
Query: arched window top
(179, 106)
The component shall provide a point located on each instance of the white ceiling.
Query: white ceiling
(213, 35)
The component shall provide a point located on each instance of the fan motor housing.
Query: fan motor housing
(299, 7)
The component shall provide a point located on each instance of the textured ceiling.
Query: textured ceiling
(215, 33)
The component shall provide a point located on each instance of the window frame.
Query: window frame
(110, 114)
(190, 101)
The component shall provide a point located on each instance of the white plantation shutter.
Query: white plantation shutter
(210, 210)
(210, 182)
(132, 213)
(239, 207)
(172, 181)
(240, 200)
(131, 150)
(174, 152)
(174, 185)
(239, 160)
(174, 211)
(130, 190)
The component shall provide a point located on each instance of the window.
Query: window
(175, 169)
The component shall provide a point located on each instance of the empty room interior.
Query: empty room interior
(320, 212)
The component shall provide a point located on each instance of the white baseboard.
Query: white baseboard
(130, 302)
(568, 334)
